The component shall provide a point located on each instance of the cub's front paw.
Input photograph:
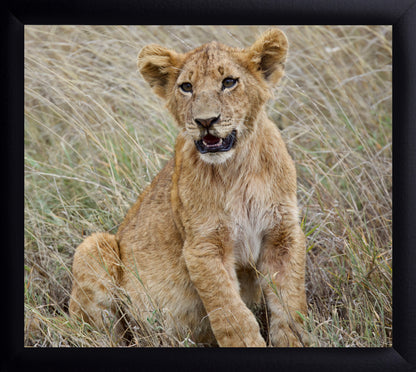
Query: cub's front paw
(248, 339)
(286, 337)
(257, 341)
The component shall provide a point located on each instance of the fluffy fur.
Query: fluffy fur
(213, 230)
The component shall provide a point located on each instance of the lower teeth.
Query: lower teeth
(219, 143)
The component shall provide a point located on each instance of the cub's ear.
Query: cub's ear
(268, 54)
(158, 66)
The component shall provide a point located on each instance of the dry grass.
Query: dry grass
(95, 135)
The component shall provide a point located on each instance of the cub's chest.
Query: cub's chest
(250, 221)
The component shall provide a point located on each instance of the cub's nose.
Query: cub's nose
(207, 123)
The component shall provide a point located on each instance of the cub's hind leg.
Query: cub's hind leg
(96, 271)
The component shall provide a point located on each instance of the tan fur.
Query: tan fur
(213, 229)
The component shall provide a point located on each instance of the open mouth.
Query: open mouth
(210, 143)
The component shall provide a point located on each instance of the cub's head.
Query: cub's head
(216, 92)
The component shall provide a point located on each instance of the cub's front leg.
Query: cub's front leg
(211, 268)
(282, 266)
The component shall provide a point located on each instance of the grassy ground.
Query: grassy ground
(95, 135)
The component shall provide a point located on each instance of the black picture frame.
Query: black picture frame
(401, 14)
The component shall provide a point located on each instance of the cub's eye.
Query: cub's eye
(228, 83)
(186, 87)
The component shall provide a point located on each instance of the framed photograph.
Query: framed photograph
(93, 129)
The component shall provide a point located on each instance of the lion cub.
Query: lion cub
(217, 230)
